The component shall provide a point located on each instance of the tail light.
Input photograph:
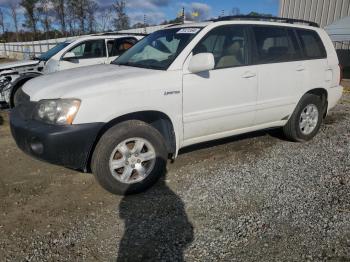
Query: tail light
(341, 73)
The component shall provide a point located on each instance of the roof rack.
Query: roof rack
(266, 18)
(124, 33)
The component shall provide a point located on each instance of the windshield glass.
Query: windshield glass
(46, 56)
(158, 50)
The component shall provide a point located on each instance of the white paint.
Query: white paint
(201, 62)
(203, 106)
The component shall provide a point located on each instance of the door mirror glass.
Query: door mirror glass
(201, 63)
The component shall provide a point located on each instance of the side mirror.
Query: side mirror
(201, 63)
(69, 56)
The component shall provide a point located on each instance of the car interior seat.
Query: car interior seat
(232, 55)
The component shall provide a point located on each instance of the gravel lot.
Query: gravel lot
(249, 198)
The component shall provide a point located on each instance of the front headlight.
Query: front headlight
(57, 111)
(6, 92)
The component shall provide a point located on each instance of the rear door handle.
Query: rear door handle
(249, 74)
(300, 68)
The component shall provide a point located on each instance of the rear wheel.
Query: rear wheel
(129, 158)
(306, 120)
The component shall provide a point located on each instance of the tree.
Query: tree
(92, 7)
(71, 17)
(44, 15)
(60, 11)
(105, 19)
(79, 13)
(2, 22)
(13, 6)
(259, 14)
(30, 7)
(122, 21)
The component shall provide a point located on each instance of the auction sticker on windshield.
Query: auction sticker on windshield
(188, 31)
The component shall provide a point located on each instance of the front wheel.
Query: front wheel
(306, 120)
(129, 158)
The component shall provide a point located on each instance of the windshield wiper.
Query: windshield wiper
(139, 65)
(123, 64)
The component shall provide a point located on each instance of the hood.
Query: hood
(19, 64)
(83, 81)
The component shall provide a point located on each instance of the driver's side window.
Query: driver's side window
(90, 49)
(228, 44)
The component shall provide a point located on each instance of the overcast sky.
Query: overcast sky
(158, 10)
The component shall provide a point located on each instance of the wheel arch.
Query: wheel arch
(157, 119)
(323, 94)
(18, 83)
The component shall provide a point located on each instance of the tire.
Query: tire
(14, 101)
(110, 145)
(293, 129)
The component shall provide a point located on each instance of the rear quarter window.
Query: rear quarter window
(311, 44)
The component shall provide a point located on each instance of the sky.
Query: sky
(157, 11)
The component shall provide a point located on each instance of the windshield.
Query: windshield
(46, 56)
(158, 50)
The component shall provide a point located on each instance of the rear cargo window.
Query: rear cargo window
(312, 45)
(275, 44)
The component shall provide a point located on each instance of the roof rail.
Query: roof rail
(266, 18)
(123, 33)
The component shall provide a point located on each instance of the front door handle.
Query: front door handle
(249, 74)
(300, 68)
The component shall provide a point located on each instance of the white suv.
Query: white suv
(73, 53)
(179, 86)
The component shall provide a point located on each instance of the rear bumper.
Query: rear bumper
(334, 95)
(68, 146)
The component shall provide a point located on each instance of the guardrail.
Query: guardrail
(25, 50)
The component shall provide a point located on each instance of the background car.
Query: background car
(78, 52)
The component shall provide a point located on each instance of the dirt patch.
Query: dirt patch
(251, 197)
(335, 117)
(6, 60)
(346, 83)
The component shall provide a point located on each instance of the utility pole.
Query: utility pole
(183, 15)
(144, 23)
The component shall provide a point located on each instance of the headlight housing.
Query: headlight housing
(57, 111)
(6, 92)
(5, 89)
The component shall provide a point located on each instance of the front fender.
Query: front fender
(18, 83)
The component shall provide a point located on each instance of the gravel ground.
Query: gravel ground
(249, 198)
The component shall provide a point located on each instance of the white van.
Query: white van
(179, 86)
(73, 53)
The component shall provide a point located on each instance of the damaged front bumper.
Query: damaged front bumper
(5, 92)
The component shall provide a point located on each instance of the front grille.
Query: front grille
(23, 104)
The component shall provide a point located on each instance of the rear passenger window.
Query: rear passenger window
(312, 45)
(275, 45)
(228, 44)
(119, 46)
